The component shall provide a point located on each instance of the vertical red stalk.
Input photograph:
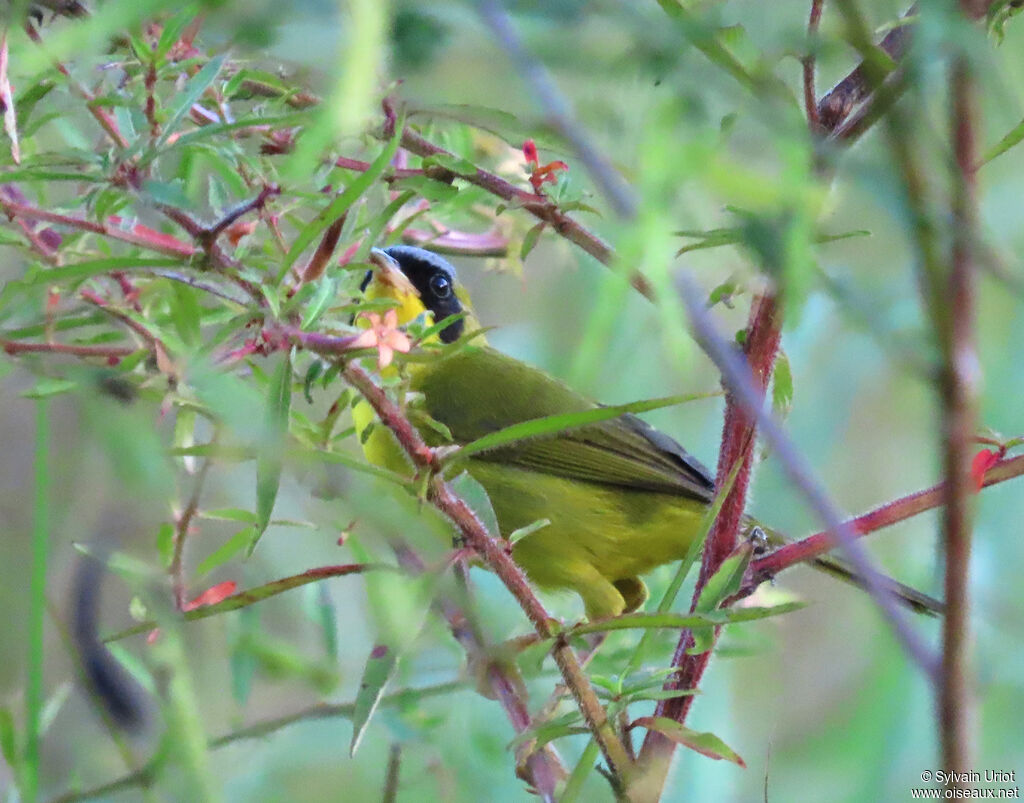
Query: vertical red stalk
(959, 387)
(738, 440)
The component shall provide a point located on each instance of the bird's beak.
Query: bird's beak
(391, 274)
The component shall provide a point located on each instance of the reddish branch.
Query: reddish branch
(99, 113)
(543, 767)
(495, 554)
(837, 104)
(902, 509)
(182, 525)
(960, 380)
(139, 236)
(109, 352)
(210, 235)
(738, 441)
(539, 206)
(809, 62)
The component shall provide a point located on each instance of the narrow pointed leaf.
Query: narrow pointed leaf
(269, 462)
(193, 90)
(706, 744)
(336, 208)
(722, 584)
(549, 425)
(253, 595)
(379, 670)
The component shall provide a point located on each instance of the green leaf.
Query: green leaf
(170, 193)
(187, 313)
(564, 422)
(243, 599)
(474, 495)
(49, 387)
(530, 240)
(544, 732)
(215, 130)
(782, 386)
(173, 29)
(327, 619)
(379, 670)
(165, 544)
(706, 744)
(9, 741)
(230, 514)
(269, 462)
(663, 694)
(726, 581)
(226, 551)
(85, 270)
(53, 705)
(429, 188)
(518, 535)
(497, 121)
(580, 773)
(449, 161)
(340, 204)
(243, 662)
(193, 90)
(721, 585)
(1012, 138)
(326, 291)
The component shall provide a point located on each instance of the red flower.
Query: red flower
(539, 174)
(530, 152)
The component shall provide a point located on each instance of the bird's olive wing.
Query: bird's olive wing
(480, 391)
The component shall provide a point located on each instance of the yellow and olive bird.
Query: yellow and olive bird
(622, 497)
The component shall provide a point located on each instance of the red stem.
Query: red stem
(496, 555)
(537, 205)
(809, 63)
(110, 352)
(738, 440)
(960, 380)
(885, 516)
(164, 245)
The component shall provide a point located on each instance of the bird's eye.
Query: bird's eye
(440, 286)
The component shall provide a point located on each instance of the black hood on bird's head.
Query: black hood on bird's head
(434, 279)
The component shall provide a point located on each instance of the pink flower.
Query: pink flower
(383, 335)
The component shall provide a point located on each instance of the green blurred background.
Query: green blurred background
(822, 704)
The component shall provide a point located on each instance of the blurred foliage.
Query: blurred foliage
(172, 175)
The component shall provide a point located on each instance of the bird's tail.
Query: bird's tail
(915, 600)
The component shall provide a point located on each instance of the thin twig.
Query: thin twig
(809, 64)
(181, 527)
(159, 243)
(543, 767)
(259, 202)
(894, 512)
(98, 112)
(838, 102)
(227, 265)
(390, 794)
(259, 730)
(109, 352)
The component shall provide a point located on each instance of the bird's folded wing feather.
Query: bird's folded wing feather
(480, 391)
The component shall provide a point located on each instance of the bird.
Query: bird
(622, 497)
